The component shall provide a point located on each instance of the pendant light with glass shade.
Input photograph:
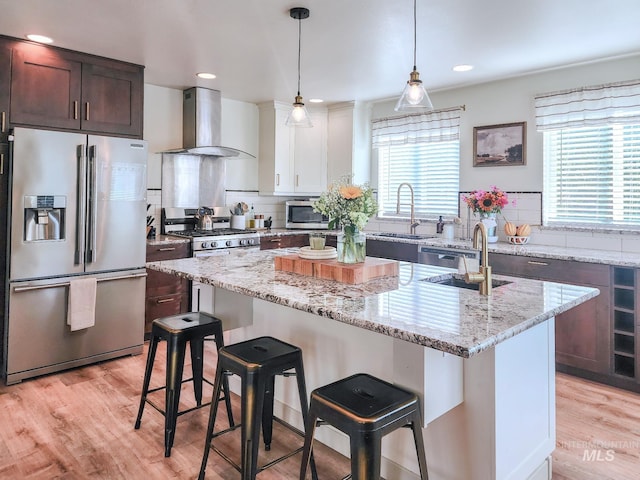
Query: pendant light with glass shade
(414, 96)
(299, 117)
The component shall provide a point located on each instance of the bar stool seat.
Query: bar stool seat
(177, 330)
(256, 362)
(365, 408)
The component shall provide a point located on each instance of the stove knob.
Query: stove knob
(214, 244)
(228, 242)
(205, 244)
(251, 241)
(243, 242)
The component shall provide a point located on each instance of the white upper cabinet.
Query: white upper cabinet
(292, 161)
(349, 145)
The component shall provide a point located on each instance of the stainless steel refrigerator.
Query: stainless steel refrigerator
(77, 209)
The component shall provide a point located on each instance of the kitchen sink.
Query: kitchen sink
(408, 236)
(456, 280)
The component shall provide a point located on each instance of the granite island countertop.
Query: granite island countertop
(454, 320)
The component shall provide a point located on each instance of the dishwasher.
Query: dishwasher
(446, 256)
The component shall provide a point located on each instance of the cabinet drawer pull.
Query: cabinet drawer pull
(75, 109)
(1, 163)
(166, 249)
(277, 179)
(87, 112)
(166, 300)
(532, 262)
(275, 240)
(3, 121)
(297, 180)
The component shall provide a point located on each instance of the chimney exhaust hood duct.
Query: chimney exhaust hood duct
(201, 125)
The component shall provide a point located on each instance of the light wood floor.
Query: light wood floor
(79, 424)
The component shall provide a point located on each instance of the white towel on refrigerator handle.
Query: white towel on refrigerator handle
(81, 308)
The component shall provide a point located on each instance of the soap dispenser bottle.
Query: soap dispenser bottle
(440, 225)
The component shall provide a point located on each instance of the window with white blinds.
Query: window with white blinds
(424, 151)
(592, 176)
(591, 155)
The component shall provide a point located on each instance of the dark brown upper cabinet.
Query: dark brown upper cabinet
(57, 88)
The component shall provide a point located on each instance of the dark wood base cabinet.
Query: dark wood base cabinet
(166, 294)
(598, 339)
(403, 252)
(269, 242)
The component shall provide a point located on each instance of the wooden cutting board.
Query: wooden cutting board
(340, 272)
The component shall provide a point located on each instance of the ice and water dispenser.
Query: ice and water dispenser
(44, 217)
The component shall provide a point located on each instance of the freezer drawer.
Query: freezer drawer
(39, 340)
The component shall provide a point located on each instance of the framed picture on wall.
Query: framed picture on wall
(500, 145)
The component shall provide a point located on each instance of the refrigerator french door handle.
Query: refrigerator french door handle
(92, 205)
(80, 205)
(66, 284)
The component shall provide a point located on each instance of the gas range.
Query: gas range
(219, 239)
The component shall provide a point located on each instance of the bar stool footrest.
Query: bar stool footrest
(266, 465)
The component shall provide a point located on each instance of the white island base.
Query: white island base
(491, 416)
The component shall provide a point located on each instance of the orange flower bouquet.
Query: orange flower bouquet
(347, 205)
(350, 207)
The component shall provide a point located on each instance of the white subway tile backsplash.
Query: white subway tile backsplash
(631, 244)
(527, 209)
(526, 201)
(594, 241)
(269, 206)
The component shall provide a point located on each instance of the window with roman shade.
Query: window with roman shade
(591, 155)
(424, 151)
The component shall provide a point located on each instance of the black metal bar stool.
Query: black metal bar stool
(365, 408)
(177, 330)
(256, 362)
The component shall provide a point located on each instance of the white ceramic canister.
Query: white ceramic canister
(238, 222)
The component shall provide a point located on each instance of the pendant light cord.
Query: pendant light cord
(415, 35)
(299, 35)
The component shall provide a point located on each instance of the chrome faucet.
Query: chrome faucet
(483, 277)
(414, 222)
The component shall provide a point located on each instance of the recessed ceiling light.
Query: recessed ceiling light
(205, 75)
(462, 68)
(316, 100)
(39, 38)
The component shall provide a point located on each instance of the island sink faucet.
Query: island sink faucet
(483, 277)
(414, 222)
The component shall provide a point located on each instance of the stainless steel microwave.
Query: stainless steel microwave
(300, 214)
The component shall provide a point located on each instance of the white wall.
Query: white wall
(509, 101)
(162, 127)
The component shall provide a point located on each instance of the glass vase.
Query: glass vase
(490, 225)
(351, 245)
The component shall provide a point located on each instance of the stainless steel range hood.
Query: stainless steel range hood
(201, 125)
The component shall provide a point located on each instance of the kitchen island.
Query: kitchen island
(483, 366)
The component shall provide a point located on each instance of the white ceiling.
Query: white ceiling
(351, 49)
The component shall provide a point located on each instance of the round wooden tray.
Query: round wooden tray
(311, 254)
